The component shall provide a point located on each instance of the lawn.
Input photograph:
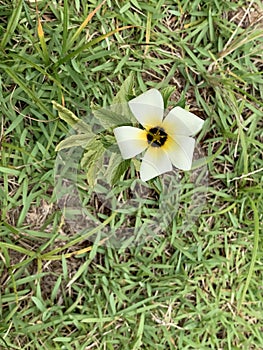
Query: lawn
(192, 279)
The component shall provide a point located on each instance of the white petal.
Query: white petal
(181, 122)
(155, 162)
(180, 151)
(131, 141)
(148, 108)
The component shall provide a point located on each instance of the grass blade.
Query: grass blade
(29, 92)
(254, 253)
(12, 23)
(65, 27)
(88, 45)
(83, 25)
(43, 44)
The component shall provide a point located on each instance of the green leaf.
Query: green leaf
(117, 167)
(137, 164)
(125, 91)
(166, 93)
(75, 141)
(119, 112)
(108, 118)
(92, 147)
(92, 159)
(94, 168)
(109, 141)
(120, 101)
(71, 119)
(119, 171)
(88, 158)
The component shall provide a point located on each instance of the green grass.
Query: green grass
(199, 288)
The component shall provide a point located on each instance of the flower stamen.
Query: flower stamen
(156, 136)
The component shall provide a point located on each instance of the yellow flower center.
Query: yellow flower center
(156, 136)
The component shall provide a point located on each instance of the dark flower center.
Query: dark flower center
(156, 137)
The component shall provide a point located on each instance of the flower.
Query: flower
(167, 141)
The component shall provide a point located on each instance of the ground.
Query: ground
(194, 288)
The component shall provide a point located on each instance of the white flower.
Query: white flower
(167, 141)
